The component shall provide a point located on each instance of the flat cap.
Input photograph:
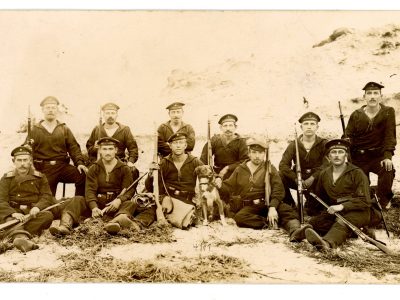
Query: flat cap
(337, 144)
(110, 105)
(257, 144)
(228, 118)
(21, 150)
(175, 105)
(49, 100)
(309, 116)
(177, 136)
(373, 86)
(107, 141)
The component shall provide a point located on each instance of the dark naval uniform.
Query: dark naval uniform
(125, 138)
(18, 194)
(165, 132)
(102, 188)
(178, 184)
(351, 190)
(373, 140)
(52, 153)
(248, 191)
(311, 162)
(350, 195)
(226, 154)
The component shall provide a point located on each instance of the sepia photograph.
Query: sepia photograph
(200, 146)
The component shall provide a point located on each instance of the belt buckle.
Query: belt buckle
(23, 207)
(52, 162)
(256, 201)
(362, 151)
(176, 193)
(308, 171)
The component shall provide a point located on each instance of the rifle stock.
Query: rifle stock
(15, 221)
(156, 191)
(300, 197)
(381, 246)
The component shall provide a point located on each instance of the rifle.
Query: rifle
(380, 245)
(210, 161)
(29, 217)
(300, 197)
(342, 120)
(383, 217)
(100, 124)
(123, 192)
(156, 191)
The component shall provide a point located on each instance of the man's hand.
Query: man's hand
(96, 213)
(223, 172)
(272, 217)
(308, 182)
(387, 164)
(34, 211)
(82, 168)
(113, 205)
(20, 217)
(153, 166)
(335, 208)
(218, 182)
(96, 145)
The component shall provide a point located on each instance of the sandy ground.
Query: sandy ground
(143, 61)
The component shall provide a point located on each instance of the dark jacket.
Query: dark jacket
(99, 182)
(123, 134)
(184, 180)
(378, 133)
(311, 162)
(241, 183)
(57, 145)
(164, 133)
(231, 154)
(32, 190)
(351, 190)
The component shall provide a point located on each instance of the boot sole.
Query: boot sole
(300, 236)
(57, 232)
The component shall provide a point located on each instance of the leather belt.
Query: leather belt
(50, 162)
(253, 202)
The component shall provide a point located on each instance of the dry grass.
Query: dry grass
(358, 257)
(91, 235)
(89, 268)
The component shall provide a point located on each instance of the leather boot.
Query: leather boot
(121, 221)
(65, 227)
(299, 234)
(292, 226)
(21, 241)
(316, 240)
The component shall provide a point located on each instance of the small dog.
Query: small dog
(207, 194)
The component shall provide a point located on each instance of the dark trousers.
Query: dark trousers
(333, 230)
(368, 164)
(63, 172)
(78, 207)
(255, 216)
(35, 226)
(288, 184)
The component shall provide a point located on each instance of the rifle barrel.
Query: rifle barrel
(299, 180)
